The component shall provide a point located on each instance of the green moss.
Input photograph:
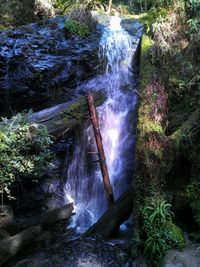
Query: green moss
(146, 67)
(75, 27)
(146, 124)
(175, 235)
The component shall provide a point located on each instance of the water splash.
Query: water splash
(84, 184)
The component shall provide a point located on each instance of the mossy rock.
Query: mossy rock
(175, 234)
(146, 67)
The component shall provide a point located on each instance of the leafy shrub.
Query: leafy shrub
(75, 27)
(24, 149)
(161, 233)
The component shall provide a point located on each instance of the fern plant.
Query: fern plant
(161, 233)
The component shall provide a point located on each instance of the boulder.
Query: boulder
(6, 215)
(188, 257)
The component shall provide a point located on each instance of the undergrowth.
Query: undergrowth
(24, 151)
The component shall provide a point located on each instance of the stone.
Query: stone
(188, 257)
(6, 215)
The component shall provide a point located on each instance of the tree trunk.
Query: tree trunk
(46, 219)
(114, 216)
(102, 158)
(109, 6)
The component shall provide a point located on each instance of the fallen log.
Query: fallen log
(11, 245)
(117, 213)
(47, 219)
(102, 157)
(65, 116)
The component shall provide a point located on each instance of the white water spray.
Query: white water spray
(85, 185)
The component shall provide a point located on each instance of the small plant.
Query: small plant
(75, 27)
(80, 22)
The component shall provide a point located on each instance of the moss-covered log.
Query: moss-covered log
(63, 117)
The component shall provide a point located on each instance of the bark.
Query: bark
(11, 245)
(114, 216)
(46, 219)
(102, 158)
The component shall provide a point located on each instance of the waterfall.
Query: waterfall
(84, 186)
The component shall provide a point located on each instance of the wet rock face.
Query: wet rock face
(40, 65)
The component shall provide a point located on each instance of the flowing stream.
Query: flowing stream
(84, 184)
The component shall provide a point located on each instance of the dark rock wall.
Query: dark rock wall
(40, 65)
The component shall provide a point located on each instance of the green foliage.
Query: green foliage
(24, 150)
(161, 233)
(75, 27)
(146, 5)
(153, 16)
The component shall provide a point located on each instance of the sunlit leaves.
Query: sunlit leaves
(24, 149)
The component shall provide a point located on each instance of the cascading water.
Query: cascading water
(84, 185)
